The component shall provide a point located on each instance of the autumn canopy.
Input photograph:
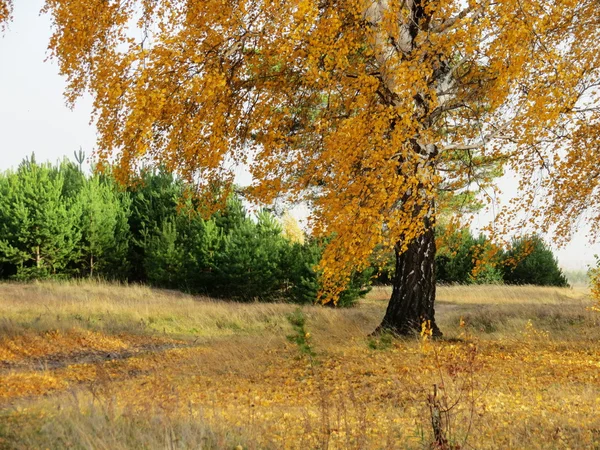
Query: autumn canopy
(368, 110)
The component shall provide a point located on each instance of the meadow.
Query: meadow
(104, 366)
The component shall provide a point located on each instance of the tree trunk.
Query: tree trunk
(413, 295)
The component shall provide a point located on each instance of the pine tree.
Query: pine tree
(530, 261)
(155, 196)
(164, 259)
(301, 266)
(461, 258)
(200, 240)
(73, 176)
(104, 227)
(37, 223)
(249, 264)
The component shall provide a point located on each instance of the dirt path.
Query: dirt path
(60, 361)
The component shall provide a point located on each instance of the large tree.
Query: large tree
(366, 109)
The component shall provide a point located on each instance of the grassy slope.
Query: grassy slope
(90, 365)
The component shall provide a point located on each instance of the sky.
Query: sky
(34, 117)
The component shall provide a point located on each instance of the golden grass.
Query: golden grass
(497, 294)
(94, 365)
(114, 308)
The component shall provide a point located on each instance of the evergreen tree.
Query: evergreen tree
(57, 221)
(38, 233)
(155, 196)
(305, 280)
(104, 227)
(454, 259)
(164, 261)
(232, 216)
(73, 178)
(202, 240)
(301, 261)
(248, 266)
(464, 259)
(530, 261)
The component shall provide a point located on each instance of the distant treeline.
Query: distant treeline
(57, 222)
(578, 277)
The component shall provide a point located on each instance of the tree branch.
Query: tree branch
(482, 143)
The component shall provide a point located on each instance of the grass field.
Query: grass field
(92, 365)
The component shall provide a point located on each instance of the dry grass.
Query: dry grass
(496, 294)
(501, 312)
(117, 308)
(93, 365)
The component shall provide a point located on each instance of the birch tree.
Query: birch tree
(364, 109)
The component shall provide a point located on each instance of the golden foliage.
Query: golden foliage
(363, 108)
(595, 287)
(291, 228)
(5, 12)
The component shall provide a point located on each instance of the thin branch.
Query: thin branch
(448, 24)
(483, 142)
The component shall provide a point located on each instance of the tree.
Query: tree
(38, 225)
(300, 262)
(73, 179)
(248, 266)
(104, 227)
(463, 258)
(154, 199)
(164, 260)
(291, 228)
(364, 108)
(530, 261)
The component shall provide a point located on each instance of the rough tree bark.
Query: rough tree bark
(413, 294)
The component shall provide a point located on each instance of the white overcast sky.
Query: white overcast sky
(34, 118)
